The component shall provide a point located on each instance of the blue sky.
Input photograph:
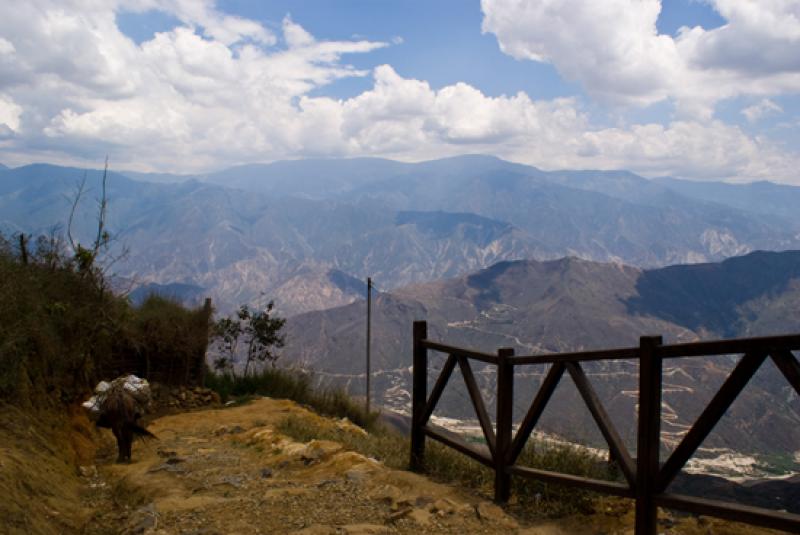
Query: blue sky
(441, 54)
(702, 89)
(442, 41)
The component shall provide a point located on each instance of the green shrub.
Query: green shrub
(53, 328)
(165, 341)
(61, 331)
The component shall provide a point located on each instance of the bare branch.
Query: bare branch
(102, 235)
(78, 194)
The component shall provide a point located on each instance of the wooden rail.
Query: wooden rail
(646, 477)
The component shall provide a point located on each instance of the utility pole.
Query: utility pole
(369, 321)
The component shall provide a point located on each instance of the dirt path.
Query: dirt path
(228, 471)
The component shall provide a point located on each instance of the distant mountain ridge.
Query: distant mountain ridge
(245, 247)
(571, 304)
(713, 297)
(492, 253)
(274, 231)
(760, 197)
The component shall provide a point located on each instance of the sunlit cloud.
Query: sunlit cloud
(613, 48)
(217, 90)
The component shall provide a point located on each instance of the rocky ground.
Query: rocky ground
(229, 471)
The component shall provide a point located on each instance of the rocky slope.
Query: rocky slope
(572, 304)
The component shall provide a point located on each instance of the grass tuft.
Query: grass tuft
(533, 498)
(296, 385)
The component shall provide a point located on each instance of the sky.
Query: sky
(697, 89)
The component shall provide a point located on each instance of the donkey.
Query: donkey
(120, 412)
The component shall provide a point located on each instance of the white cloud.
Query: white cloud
(614, 50)
(761, 109)
(295, 35)
(202, 14)
(220, 90)
(711, 150)
(6, 47)
(207, 93)
(609, 46)
(761, 38)
(10, 114)
(407, 118)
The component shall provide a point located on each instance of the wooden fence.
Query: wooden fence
(646, 478)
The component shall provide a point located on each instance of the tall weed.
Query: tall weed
(292, 384)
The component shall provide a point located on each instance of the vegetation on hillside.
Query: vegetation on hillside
(62, 330)
(256, 334)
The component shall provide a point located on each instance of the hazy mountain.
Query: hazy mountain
(161, 178)
(760, 197)
(247, 247)
(311, 178)
(572, 304)
(666, 229)
(599, 215)
(618, 184)
(328, 178)
(37, 197)
(276, 230)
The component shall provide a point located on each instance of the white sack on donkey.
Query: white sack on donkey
(118, 405)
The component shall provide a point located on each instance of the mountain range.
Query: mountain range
(492, 253)
(570, 305)
(302, 232)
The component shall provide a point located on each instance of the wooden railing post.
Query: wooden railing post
(648, 437)
(505, 404)
(646, 480)
(419, 394)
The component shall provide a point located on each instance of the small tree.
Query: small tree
(94, 261)
(255, 330)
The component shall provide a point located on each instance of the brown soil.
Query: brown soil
(228, 471)
(39, 487)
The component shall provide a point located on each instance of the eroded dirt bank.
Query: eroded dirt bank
(40, 489)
